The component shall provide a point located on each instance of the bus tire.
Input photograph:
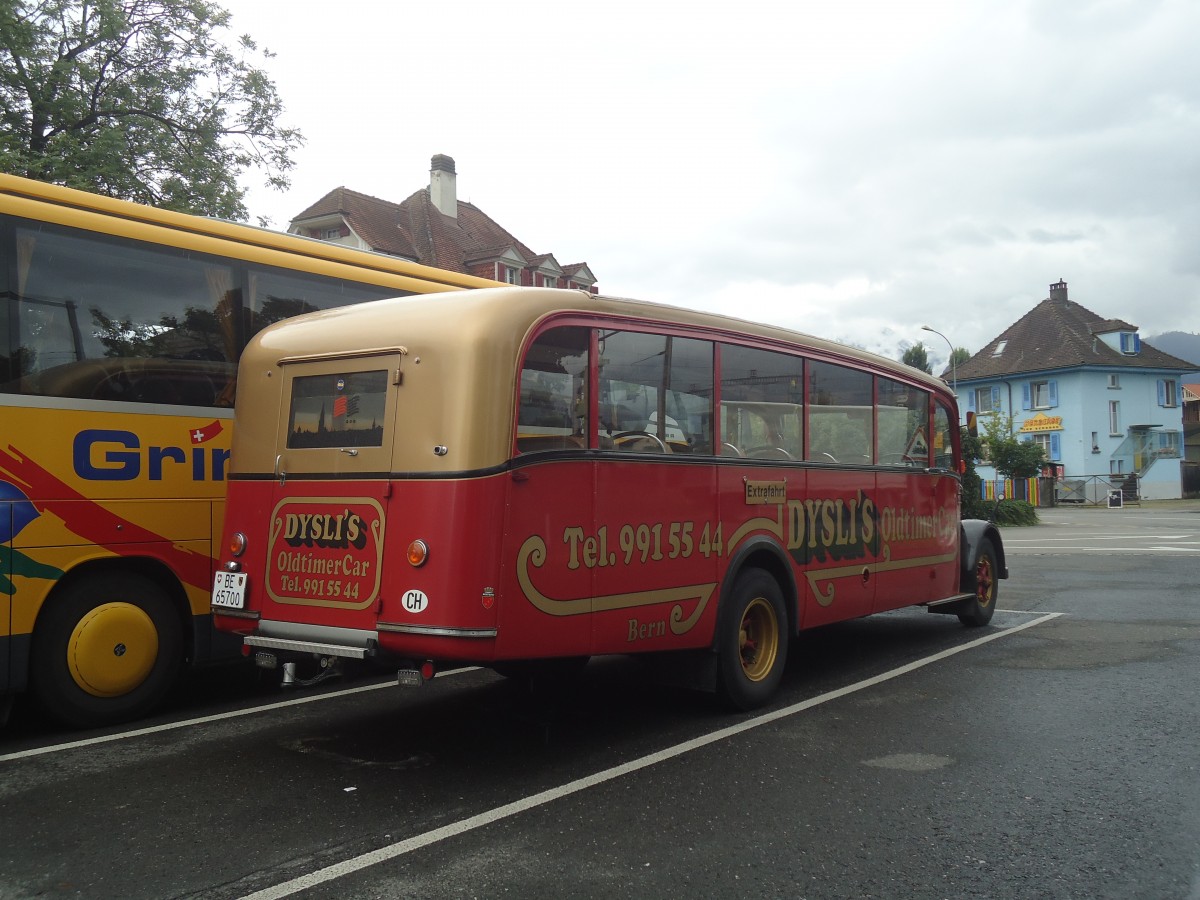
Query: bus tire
(977, 611)
(105, 650)
(752, 641)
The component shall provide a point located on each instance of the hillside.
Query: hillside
(1183, 344)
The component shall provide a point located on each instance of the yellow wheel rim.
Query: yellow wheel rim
(758, 639)
(985, 582)
(112, 649)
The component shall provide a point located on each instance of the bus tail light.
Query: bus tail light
(237, 543)
(418, 552)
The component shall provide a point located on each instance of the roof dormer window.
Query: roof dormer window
(1131, 344)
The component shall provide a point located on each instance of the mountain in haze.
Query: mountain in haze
(1183, 344)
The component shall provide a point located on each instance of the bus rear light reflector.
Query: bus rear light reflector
(418, 552)
(237, 543)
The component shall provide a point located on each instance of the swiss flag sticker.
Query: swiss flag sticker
(206, 432)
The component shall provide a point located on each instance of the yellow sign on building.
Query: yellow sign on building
(1042, 422)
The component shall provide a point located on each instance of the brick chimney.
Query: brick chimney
(1058, 290)
(442, 188)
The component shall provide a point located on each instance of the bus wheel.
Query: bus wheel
(978, 610)
(752, 641)
(105, 650)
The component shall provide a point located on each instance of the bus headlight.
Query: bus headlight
(418, 552)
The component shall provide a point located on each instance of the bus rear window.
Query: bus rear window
(340, 410)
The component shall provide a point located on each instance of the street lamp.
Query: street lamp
(953, 367)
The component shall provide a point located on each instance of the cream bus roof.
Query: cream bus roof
(458, 353)
(508, 314)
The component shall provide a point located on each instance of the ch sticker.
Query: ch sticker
(415, 601)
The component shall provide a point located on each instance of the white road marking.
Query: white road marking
(1076, 536)
(392, 851)
(218, 717)
(1107, 551)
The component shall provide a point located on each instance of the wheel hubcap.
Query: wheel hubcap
(758, 639)
(112, 649)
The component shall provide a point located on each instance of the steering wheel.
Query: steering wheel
(725, 445)
(662, 448)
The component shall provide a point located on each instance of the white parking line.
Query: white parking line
(204, 720)
(392, 851)
(1107, 551)
(1076, 536)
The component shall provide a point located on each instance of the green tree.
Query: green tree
(959, 356)
(972, 505)
(138, 99)
(918, 357)
(1012, 458)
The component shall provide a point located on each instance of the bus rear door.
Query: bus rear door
(332, 481)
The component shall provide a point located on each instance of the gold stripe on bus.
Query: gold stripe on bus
(534, 551)
(819, 576)
(216, 246)
(49, 196)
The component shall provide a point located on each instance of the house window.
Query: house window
(1167, 395)
(987, 400)
(1116, 466)
(1130, 343)
(1114, 382)
(331, 234)
(1114, 417)
(1051, 444)
(510, 275)
(1041, 395)
(549, 281)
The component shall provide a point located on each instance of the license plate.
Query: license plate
(229, 590)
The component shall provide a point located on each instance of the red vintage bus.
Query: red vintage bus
(513, 475)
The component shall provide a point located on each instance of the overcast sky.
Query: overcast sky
(850, 168)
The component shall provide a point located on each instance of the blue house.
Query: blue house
(1104, 405)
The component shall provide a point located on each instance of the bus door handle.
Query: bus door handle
(280, 473)
(347, 450)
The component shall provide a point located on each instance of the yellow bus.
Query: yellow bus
(523, 478)
(120, 337)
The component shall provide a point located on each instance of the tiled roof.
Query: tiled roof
(1061, 334)
(378, 222)
(415, 229)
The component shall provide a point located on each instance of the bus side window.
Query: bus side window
(840, 412)
(943, 437)
(655, 393)
(903, 422)
(106, 318)
(552, 411)
(762, 403)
